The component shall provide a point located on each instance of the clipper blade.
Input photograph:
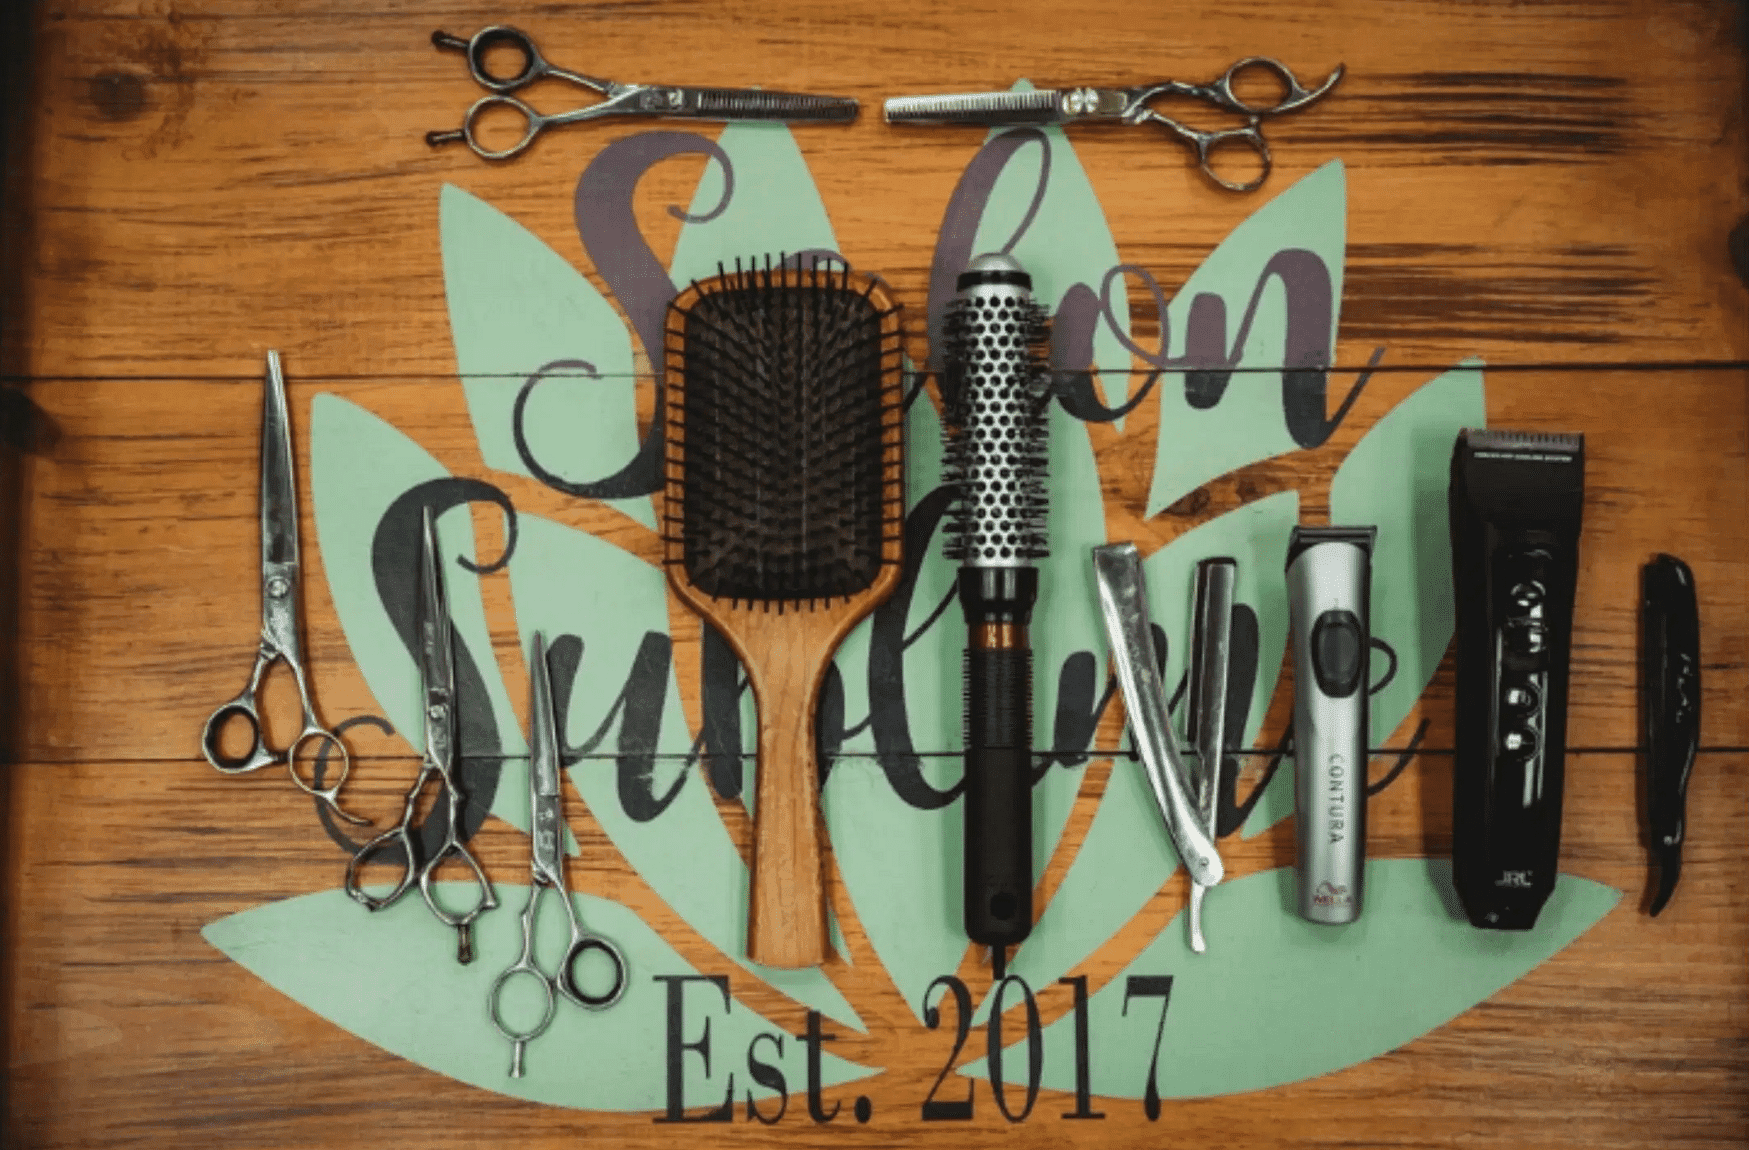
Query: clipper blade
(1531, 446)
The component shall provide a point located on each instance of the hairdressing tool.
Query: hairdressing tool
(436, 658)
(1063, 106)
(996, 388)
(783, 526)
(1670, 708)
(666, 100)
(1516, 499)
(1211, 650)
(1329, 588)
(1123, 601)
(282, 622)
(546, 804)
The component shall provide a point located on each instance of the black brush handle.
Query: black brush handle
(998, 756)
(998, 892)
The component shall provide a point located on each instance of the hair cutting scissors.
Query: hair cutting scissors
(436, 657)
(281, 618)
(621, 99)
(1057, 106)
(547, 868)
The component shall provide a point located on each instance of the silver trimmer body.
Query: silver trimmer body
(1329, 585)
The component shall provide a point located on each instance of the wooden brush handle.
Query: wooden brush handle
(786, 919)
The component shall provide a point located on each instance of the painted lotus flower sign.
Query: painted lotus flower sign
(547, 365)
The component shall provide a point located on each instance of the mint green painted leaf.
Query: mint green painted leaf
(567, 582)
(1127, 855)
(1277, 999)
(515, 305)
(1247, 424)
(1396, 477)
(903, 868)
(1068, 242)
(775, 208)
(1275, 804)
(932, 663)
(1066, 620)
(359, 465)
(391, 978)
(902, 865)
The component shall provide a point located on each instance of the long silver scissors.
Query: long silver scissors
(281, 619)
(621, 99)
(1058, 106)
(437, 678)
(547, 869)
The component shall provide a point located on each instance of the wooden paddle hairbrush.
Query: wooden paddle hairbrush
(783, 527)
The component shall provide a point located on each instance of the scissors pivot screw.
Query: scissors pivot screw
(1081, 101)
(277, 587)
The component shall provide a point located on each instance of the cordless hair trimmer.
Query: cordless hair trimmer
(1329, 590)
(1515, 511)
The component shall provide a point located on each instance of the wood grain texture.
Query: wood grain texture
(1530, 185)
(130, 1028)
(1546, 187)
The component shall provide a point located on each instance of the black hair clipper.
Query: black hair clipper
(1516, 499)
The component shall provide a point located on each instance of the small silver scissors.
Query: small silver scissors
(281, 617)
(547, 866)
(621, 99)
(1056, 106)
(437, 680)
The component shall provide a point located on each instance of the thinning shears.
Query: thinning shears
(547, 869)
(436, 657)
(668, 100)
(281, 621)
(1061, 106)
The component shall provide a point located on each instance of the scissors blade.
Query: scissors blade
(755, 104)
(436, 657)
(279, 497)
(545, 802)
(998, 109)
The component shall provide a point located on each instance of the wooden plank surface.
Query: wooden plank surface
(135, 505)
(1526, 185)
(129, 1028)
(1547, 188)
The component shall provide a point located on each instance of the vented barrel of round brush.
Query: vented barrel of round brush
(997, 385)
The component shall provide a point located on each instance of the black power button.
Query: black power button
(1338, 653)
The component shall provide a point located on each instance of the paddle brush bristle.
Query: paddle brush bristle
(784, 414)
(784, 401)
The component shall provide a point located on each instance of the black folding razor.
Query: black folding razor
(1669, 709)
(1516, 499)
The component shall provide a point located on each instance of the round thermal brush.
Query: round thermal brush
(997, 387)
